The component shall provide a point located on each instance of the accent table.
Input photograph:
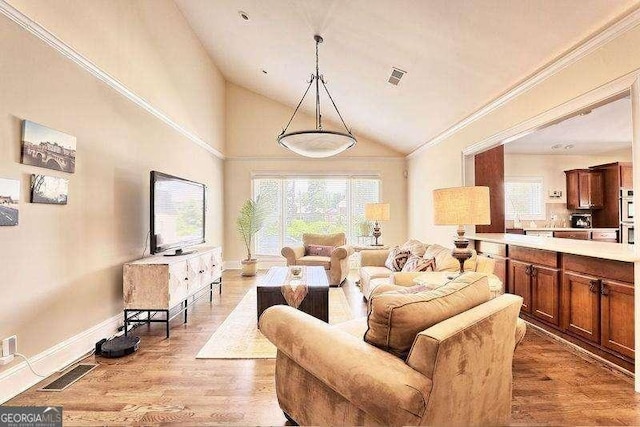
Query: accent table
(315, 303)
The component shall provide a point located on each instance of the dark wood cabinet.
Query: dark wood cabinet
(497, 252)
(617, 317)
(626, 175)
(584, 189)
(578, 235)
(581, 305)
(545, 293)
(520, 282)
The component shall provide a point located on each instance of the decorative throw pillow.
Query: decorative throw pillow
(394, 319)
(416, 263)
(319, 250)
(416, 247)
(396, 259)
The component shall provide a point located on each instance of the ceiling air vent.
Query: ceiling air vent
(396, 75)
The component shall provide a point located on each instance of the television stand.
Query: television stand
(180, 252)
(169, 286)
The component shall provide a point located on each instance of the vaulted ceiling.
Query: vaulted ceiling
(459, 54)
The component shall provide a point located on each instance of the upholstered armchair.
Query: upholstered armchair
(458, 371)
(336, 265)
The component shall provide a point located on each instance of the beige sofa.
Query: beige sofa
(458, 371)
(337, 265)
(374, 273)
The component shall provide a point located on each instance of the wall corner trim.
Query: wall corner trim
(19, 378)
(43, 34)
(589, 45)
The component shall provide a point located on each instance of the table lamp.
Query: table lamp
(461, 206)
(376, 212)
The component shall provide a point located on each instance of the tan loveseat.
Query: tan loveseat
(374, 273)
(337, 265)
(458, 371)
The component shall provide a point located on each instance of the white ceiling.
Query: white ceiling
(607, 129)
(459, 54)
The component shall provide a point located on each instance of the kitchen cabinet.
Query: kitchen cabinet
(617, 316)
(626, 175)
(498, 253)
(581, 305)
(520, 283)
(533, 274)
(584, 189)
(605, 236)
(578, 234)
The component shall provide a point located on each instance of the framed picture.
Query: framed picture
(9, 198)
(49, 189)
(48, 148)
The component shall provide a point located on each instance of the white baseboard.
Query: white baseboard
(19, 378)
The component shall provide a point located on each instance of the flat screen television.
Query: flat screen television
(177, 213)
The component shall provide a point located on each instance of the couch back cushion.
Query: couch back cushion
(416, 247)
(337, 239)
(394, 319)
(446, 262)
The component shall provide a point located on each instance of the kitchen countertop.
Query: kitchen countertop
(567, 229)
(605, 250)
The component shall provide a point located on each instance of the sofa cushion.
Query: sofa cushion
(322, 261)
(416, 247)
(396, 259)
(416, 263)
(394, 318)
(319, 250)
(370, 273)
(446, 262)
(337, 239)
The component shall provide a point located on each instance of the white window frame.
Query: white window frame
(282, 176)
(527, 179)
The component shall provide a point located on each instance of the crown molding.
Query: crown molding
(316, 160)
(574, 55)
(43, 34)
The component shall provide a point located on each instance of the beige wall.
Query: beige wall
(253, 122)
(440, 165)
(148, 46)
(61, 268)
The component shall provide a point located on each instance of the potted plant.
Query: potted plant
(249, 221)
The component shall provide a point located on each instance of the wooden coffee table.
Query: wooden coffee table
(316, 303)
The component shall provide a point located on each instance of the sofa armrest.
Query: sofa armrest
(374, 258)
(348, 365)
(292, 254)
(342, 252)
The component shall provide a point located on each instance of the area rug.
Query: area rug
(239, 337)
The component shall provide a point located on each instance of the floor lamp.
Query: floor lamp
(461, 206)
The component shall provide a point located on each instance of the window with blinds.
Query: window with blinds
(315, 204)
(524, 198)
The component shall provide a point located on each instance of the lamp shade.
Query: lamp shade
(317, 143)
(377, 211)
(461, 206)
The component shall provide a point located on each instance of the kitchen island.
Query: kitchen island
(579, 290)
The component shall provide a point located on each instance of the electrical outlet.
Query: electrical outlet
(9, 346)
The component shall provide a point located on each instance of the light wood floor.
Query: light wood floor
(164, 383)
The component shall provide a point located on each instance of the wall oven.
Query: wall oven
(626, 205)
(627, 233)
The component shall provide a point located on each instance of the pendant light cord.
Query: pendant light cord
(317, 80)
(318, 114)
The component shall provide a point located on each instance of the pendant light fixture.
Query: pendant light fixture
(317, 142)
